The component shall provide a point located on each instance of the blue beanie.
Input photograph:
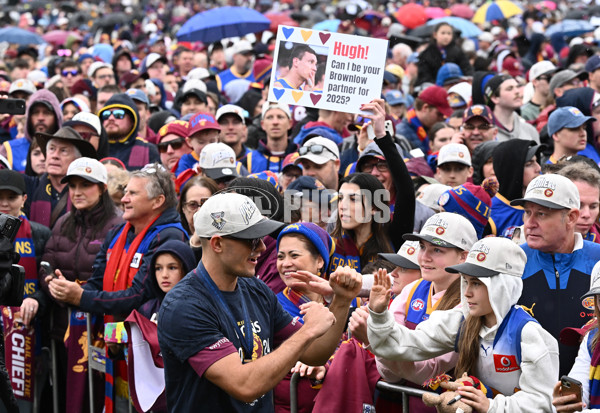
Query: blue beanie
(316, 235)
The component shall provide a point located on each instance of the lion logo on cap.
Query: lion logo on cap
(588, 303)
(440, 230)
(548, 193)
(477, 110)
(88, 170)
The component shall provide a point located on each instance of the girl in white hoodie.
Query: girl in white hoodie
(497, 341)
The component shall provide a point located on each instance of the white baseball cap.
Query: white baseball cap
(318, 150)
(87, 119)
(97, 65)
(406, 256)
(541, 68)
(448, 230)
(22, 85)
(551, 191)
(199, 73)
(276, 105)
(242, 46)
(88, 169)
(454, 152)
(594, 282)
(234, 215)
(217, 161)
(430, 195)
(234, 109)
(193, 84)
(492, 256)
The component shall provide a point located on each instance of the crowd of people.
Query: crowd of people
(239, 241)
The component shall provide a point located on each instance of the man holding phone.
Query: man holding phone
(478, 127)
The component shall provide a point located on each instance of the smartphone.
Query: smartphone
(12, 107)
(571, 386)
(389, 128)
(47, 268)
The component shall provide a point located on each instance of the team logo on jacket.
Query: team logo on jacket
(417, 304)
(505, 364)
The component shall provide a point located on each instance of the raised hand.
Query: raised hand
(317, 318)
(358, 324)
(346, 283)
(381, 292)
(309, 281)
(376, 107)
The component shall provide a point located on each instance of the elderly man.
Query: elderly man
(225, 339)
(120, 282)
(559, 261)
(49, 196)
(320, 158)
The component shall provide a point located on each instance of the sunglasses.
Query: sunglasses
(483, 127)
(73, 73)
(117, 113)
(254, 243)
(316, 149)
(64, 52)
(381, 166)
(163, 147)
(193, 206)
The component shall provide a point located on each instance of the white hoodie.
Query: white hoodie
(436, 336)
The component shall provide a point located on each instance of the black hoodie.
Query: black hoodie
(134, 152)
(509, 161)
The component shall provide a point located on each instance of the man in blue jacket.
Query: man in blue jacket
(559, 261)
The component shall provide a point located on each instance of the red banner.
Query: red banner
(19, 344)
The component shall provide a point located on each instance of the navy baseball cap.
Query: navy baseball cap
(592, 64)
(566, 117)
(395, 97)
(137, 94)
(449, 72)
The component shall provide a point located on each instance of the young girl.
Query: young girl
(586, 364)
(441, 49)
(497, 341)
(171, 262)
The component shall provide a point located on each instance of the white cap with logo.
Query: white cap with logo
(217, 161)
(550, 191)
(448, 230)
(454, 152)
(318, 150)
(406, 256)
(88, 169)
(232, 214)
(492, 256)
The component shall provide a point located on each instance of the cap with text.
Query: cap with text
(217, 161)
(406, 256)
(550, 191)
(447, 230)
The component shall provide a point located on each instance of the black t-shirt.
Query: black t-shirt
(192, 336)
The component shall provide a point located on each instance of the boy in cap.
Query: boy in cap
(454, 165)
(202, 130)
(539, 76)
(207, 361)
(559, 261)
(567, 127)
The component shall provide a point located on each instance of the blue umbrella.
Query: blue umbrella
(19, 36)
(466, 28)
(570, 28)
(327, 25)
(222, 22)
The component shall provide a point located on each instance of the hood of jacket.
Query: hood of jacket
(182, 252)
(43, 95)
(479, 81)
(503, 291)
(163, 94)
(509, 161)
(123, 101)
(480, 155)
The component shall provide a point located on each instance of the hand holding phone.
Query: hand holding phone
(571, 386)
(48, 269)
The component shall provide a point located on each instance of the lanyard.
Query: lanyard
(248, 340)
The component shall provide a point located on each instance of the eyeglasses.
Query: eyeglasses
(316, 149)
(381, 166)
(483, 127)
(163, 147)
(73, 73)
(546, 78)
(117, 113)
(192, 206)
(106, 76)
(254, 243)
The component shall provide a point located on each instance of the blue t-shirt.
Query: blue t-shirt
(190, 321)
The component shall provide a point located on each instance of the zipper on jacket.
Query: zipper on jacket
(556, 274)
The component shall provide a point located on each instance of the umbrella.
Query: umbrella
(327, 25)
(550, 5)
(58, 37)
(570, 28)
(222, 22)
(467, 28)
(364, 19)
(496, 10)
(423, 31)
(113, 19)
(411, 15)
(278, 19)
(435, 12)
(462, 10)
(575, 15)
(19, 36)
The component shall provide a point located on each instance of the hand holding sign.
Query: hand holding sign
(330, 71)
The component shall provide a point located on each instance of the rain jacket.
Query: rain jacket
(533, 373)
(134, 152)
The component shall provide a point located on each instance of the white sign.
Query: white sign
(326, 70)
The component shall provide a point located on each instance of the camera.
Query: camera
(12, 276)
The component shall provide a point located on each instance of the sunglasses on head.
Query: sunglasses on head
(175, 144)
(64, 52)
(316, 149)
(73, 72)
(117, 114)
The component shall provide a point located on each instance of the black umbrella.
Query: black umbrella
(427, 30)
(111, 20)
(68, 7)
(412, 41)
(575, 15)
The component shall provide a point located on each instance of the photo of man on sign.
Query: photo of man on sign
(297, 69)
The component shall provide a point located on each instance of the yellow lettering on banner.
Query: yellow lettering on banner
(296, 95)
(306, 34)
(23, 247)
